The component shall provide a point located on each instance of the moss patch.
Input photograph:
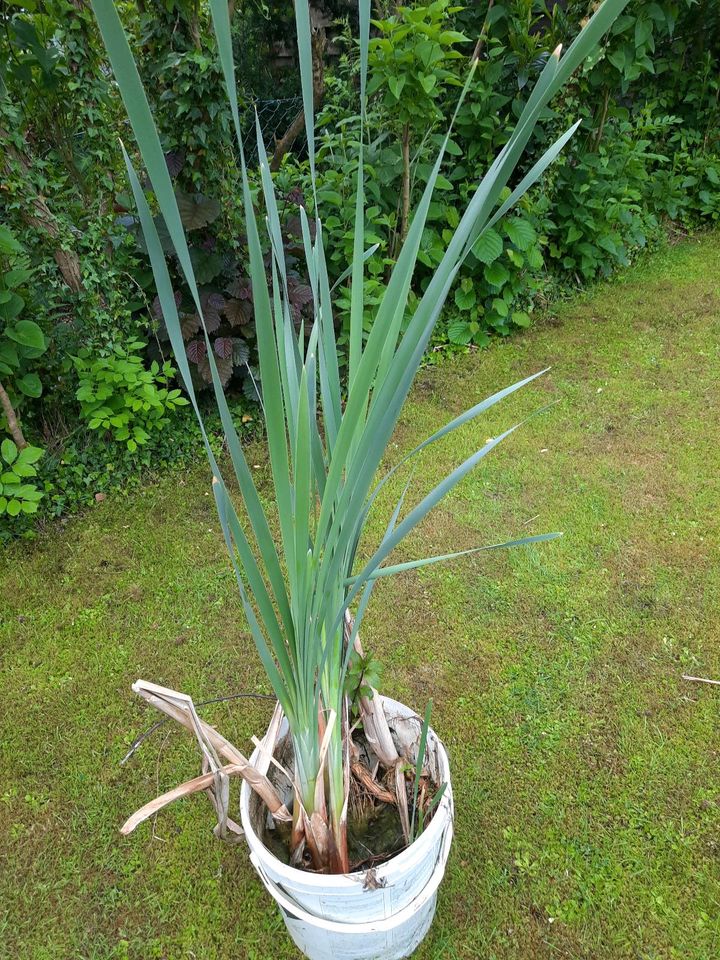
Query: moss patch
(585, 770)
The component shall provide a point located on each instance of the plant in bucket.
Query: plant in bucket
(346, 803)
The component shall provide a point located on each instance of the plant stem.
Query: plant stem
(603, 118)
(12, 420)
(337, 797)
(405, 212)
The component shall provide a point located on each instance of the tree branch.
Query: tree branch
(37, 214)
(284, 144)
(12, 420)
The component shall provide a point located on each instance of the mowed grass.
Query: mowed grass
(586, 771)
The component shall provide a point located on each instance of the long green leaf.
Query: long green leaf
(167, 301)
(408, 565)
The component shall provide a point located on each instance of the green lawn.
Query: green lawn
(586, 771)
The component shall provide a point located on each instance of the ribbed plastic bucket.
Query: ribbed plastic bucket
(335, 917)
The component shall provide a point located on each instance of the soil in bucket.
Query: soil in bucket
(375, 832)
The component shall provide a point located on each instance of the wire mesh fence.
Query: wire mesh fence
(275, 117)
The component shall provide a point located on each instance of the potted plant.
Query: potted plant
(325, 445)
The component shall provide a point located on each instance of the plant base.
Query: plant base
(377, 914)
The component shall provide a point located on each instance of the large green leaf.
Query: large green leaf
(521, 233)
(488, 246)
(406, 566)
(9, 451)
(28, 334)
(8, 355)
(197, 211)
(29, 384)
(8, 242)
(11, 305)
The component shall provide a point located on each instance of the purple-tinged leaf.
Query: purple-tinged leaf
(189, 325)
(300, 294)
(196, 351)
(238, 312)
(175, 161)
(212, 321)
(224, 368)
(157, 309)
(223, 347)
(293, 228)
(212, 304)
(241, 352)
(296, 196)
(215, 301)
(240, 289)
(196, 211)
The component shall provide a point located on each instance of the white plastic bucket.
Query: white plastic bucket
(334, 917)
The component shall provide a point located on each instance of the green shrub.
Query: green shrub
(16, 495)
(119, 395)
(500, 282)
(21, 340)
(411, 63)
(599, 209)
(92, 463)
(646, 158)
(688, 191)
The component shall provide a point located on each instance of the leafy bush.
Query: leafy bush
(227, 298)
(118, 394)
(497, 294)
(633, 165)
(599, 206)
(687, 190)
(646, 158)
(21, 340)
(410, 63)
(92, 464)
(16, 495)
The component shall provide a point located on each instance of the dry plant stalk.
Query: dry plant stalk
(215, 777)
(366, 780)
(375, 724)
(203, 782)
